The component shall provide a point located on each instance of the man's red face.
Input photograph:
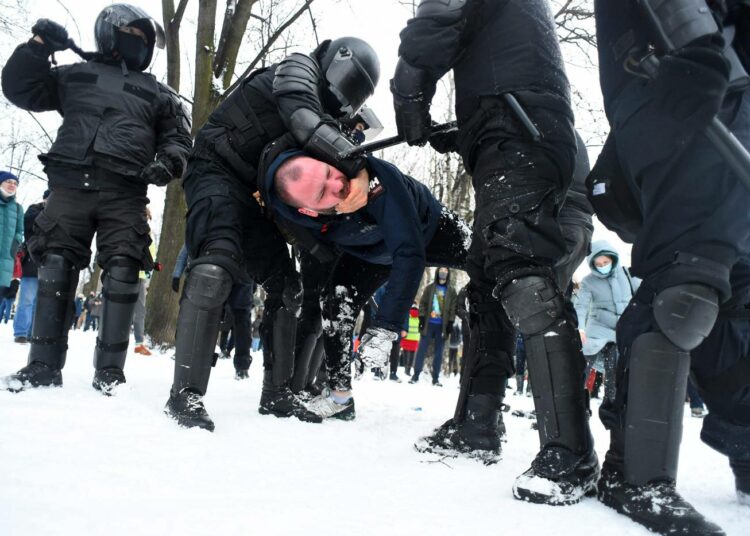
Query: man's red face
(320, 188)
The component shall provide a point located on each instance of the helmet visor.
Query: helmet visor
(349, 82)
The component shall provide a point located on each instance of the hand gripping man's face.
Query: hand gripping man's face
(311, 186)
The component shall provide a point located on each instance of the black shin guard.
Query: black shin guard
(120, 294)
(307, 343)
(555, 363)
(54, 311)
(315, 374)
(206, 289)
(656, 399)
(282, 346)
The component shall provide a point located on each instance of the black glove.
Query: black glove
(445, 142)
(176, 284)
(159, 172)
(55, 37)
(421, 323)
(412, 119)
(691, 85)
(448, 330)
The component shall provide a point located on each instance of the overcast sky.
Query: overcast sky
(376, 21)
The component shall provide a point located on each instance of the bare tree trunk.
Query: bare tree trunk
(162, 305)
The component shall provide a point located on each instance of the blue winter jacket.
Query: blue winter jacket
(400, 219)
(11, 236)
(602, 299)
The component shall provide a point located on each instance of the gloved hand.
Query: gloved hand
(448, 330)
(421, 323)
(412, 118)
(159, 172)
(176, 284)
(445, 142)
(376, 345)
(691, 85)
(55, 37)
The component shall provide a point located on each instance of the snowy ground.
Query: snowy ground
(74, 462)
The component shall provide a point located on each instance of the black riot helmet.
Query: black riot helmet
(351, 69)
(116, 16)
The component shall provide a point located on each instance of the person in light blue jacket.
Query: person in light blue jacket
(601, 300)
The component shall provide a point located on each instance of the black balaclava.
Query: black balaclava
(133, 50)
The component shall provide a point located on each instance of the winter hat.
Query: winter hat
(5, 175)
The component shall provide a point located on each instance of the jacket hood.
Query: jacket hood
(602, 247)
(274, 156)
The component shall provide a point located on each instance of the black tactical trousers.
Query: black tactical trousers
(519, 186)
(226, 226)
(71, 217)
(346, 285)
(696, 229)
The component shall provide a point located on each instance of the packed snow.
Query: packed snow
(77, 463)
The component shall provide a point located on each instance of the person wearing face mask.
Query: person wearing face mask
(121, 131)
(599, 303)
(437, 311)
(11, 227)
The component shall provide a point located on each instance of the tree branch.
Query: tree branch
(272, 39)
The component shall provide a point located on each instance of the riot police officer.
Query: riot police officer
(122, 130)
(516, 138)
(230, 239)
(691, 225)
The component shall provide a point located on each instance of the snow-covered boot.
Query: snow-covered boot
(35, 374)
(655, 505)
(279, 400)
(186, 407)
(107, 379)
(478, 436)
(558, 477)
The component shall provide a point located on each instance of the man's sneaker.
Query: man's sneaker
(281, 402)
(241, 374)
(477, 437)
(414, 379)
(698, 413)
(21, 340)
(557, 477)
(327, 408)
(657, 506)
(394, 377)
(437, 383)
(35, 374)
(188, 410)
(224, 355)
(106, 380)
(141, 349)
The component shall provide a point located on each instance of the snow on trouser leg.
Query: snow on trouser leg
(120, 293)
(566, 467)
(206, 289)
(52, 318)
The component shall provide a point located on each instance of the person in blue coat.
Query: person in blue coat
(402, 229)
(601, 300)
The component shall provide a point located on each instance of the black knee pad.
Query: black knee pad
(208, 286)
(686, 313)
(533, 303)
(124, 269)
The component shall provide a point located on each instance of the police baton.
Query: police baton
(718, 134)
(367, 148)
